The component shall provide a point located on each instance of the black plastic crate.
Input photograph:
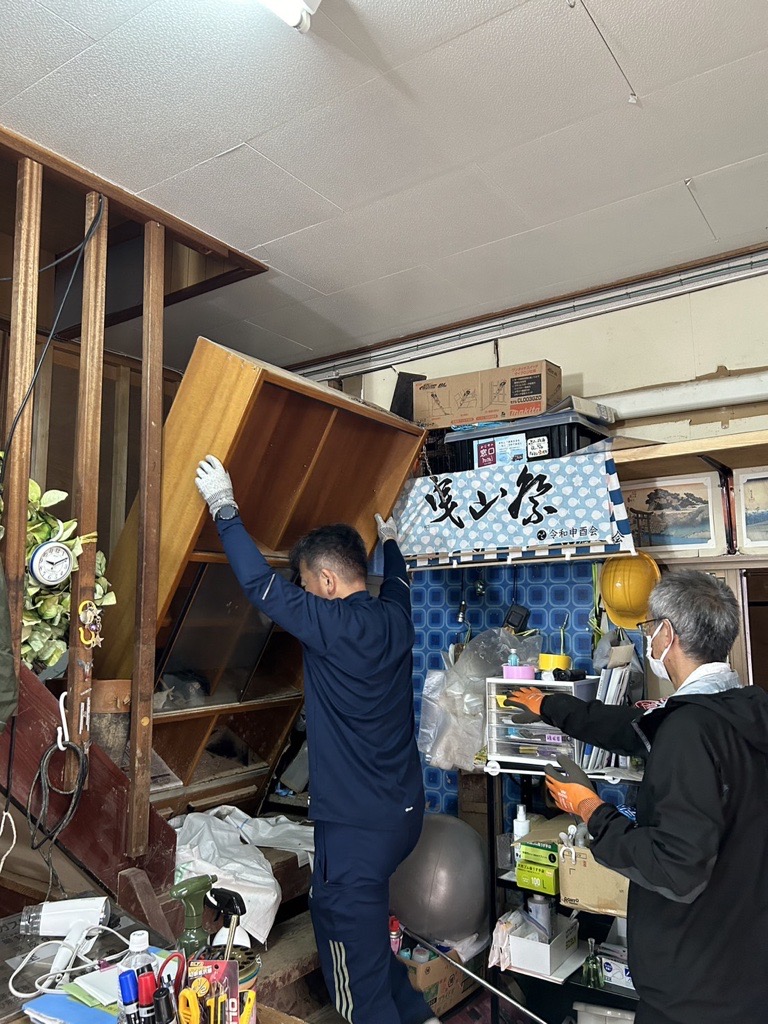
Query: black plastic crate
(526, 440)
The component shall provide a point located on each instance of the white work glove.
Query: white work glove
(214, 484)
(387, 530)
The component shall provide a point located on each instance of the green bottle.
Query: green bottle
(592, 971)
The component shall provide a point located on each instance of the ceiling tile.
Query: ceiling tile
(658, 42)
(33, 42)
(240, 336)
(393, 31)
(96, 17)
(393, 305)
(603, 245)
(245, 300)
(368, 143)
(180, 82)
(441, 216)
(735, 198)
(618, 153)
(525, 74)
(241, 196)
(717, 118)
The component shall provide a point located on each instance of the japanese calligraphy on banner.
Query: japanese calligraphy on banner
(569, 503)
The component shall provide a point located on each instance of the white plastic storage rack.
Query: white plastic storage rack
(526, 749)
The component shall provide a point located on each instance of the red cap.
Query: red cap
(147, 986)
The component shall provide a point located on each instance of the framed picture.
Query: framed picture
(680, 516)
(750, 487)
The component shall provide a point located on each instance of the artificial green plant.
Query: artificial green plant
(46, 615)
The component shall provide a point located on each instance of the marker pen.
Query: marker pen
(165, 1011)
(147, 985)
(129, 993)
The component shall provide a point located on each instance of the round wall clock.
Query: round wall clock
(51, 563)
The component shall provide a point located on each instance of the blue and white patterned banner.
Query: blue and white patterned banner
(553, 508)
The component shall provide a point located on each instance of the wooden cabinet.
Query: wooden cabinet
(229, 683)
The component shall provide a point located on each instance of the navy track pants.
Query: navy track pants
(349, 906)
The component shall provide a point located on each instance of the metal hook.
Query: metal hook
(62, 732)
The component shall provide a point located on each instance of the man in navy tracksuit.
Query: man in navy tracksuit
(365, 780)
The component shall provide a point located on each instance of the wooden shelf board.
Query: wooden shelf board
(230, 708)
(677, 458)
(276, 558)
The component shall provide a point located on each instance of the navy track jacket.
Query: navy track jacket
(364, 766)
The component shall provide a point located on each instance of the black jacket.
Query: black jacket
(697, 858)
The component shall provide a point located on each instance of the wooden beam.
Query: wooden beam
(42, 421)
(21, 365)
(120, 454)
(150, 480)
(85, 485)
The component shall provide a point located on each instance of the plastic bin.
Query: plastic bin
(527, 440)
(588, 1014)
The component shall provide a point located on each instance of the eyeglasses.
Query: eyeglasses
(648, 626)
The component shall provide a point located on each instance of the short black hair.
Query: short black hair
(702, 610)
(338, 546)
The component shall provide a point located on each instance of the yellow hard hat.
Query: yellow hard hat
(626, 583)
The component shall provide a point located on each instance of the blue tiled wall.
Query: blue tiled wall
(548, 589)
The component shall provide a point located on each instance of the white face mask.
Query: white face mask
(657, 664)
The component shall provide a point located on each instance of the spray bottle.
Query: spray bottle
(231, 906)
(521, 826)
(191, 892)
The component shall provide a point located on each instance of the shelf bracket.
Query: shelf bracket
(726, 492)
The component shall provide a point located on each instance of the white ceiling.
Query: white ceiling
(407, 163)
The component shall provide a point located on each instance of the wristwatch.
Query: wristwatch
(226, 512)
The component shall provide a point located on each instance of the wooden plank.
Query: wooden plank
(42, 421)
(120, 454)
(150, 481)
(85, 485)
(21, 364)
(95, 838)
(674, 458)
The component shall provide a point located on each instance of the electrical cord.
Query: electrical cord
(50, 834)
(80, 253)
(43, 982)
(7, 816)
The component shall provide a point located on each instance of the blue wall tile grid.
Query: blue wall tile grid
(548, 589)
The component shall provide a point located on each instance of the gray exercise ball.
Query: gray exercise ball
(441, 890)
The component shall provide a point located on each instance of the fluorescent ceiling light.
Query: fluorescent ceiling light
(296, 13)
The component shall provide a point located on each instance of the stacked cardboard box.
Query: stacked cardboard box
(484, 396)
(444, 985)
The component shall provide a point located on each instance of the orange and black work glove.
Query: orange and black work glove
(571, 788)
(525, 704)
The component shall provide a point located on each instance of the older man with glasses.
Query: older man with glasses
(696, 856)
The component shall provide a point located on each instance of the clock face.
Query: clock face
(50, 563)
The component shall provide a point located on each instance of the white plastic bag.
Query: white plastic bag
(208, 846)
(461, 729)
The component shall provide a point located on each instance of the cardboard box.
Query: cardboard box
(584, 884)
(616, 972)
(587, 885)
(541, 957)
(444, 986)
(487, 396)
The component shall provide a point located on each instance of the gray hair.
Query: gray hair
(703, 612)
